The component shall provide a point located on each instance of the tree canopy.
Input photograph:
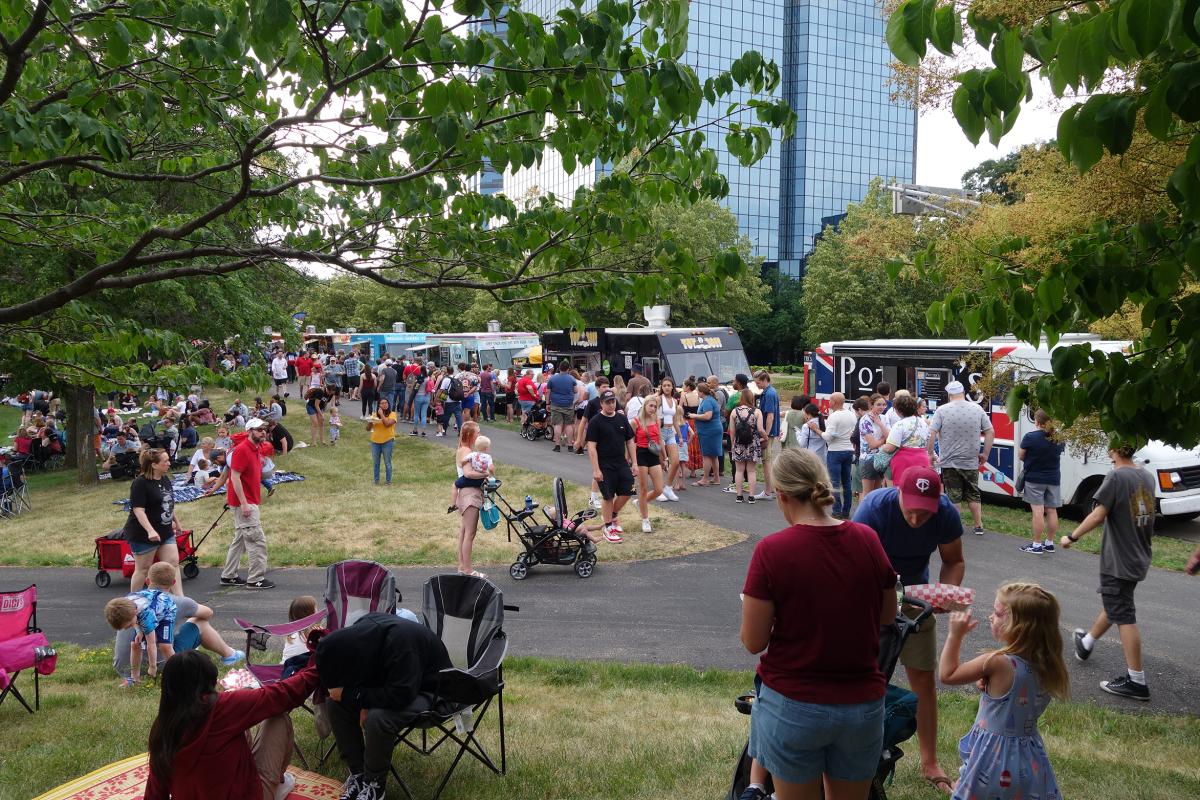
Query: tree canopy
(347, 134)
(1138, 62)
(710, 230)
(848, 292)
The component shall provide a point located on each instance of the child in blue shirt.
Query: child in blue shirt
(151, 613)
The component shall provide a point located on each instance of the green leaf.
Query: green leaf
(1156, 116)
(1115, 121)
(446, 129)
(896, 37)
(1125, 402)
(970, 120)
(1016, 400)
(1146, 23)
(118, 43)
(947, 29)
(435, 99)
(1008, 53)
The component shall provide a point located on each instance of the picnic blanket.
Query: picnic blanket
(186, 492)
(126, 780)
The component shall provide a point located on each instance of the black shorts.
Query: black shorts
(353, 381)
(578, 413)
(647, 459)
(618, 480)
(280, 382)
(1116, 595)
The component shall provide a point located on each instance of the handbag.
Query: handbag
(881, 461)
(1021, 483)
(489, 515)
(655, 449)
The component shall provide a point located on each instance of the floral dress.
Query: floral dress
(1003, 755)
(745, 452)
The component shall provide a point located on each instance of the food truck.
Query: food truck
(677, 352)
(925, 366)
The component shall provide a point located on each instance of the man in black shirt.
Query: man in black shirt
(611, 450)
(381, 672)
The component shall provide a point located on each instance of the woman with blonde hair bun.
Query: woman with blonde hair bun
(815, 595)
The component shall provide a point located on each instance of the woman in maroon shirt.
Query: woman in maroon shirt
(815, 596)
(199, 749)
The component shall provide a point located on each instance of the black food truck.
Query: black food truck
(677, 352)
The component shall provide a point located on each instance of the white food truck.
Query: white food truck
(925, 366)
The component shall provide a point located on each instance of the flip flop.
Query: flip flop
(940, 781)
(700, 483)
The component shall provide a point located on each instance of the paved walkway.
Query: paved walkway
(686, 609)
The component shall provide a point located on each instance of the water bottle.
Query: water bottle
(529, 502)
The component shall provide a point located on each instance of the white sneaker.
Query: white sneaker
(764, 496)
(646, 526)
(670, 493)
(595, 502)
(662, 498)
(285, 788)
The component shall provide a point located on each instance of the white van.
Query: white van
(925, 366)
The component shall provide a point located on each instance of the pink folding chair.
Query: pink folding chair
(22, 645)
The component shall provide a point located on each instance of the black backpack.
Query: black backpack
(455, 393)
(743, 427)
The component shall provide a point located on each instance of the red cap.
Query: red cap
(920, 489)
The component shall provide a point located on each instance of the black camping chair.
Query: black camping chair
(467, 614)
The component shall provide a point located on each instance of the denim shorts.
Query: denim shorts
(668, 435)
(141, 548)
(799, 742)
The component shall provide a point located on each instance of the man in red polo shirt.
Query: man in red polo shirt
(304, 366)
(244, 494)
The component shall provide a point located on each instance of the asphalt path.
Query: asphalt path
(686, 610)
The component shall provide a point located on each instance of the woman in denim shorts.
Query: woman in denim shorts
(814, 598)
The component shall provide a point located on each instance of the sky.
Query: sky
(944, 153)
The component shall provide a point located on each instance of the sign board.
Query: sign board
(701, 342)
(588, 339)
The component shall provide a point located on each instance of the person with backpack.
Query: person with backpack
(747, 434)
(450, 394)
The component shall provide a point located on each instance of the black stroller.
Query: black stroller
(900, 707)
(536, 424)
(562, 541)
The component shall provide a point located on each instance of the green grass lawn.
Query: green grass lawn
(595, 730)
(335, 513)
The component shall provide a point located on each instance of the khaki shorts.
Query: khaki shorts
(961, 484)
(920, 648)
(562, 415)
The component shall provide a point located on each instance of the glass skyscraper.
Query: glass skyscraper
(835, 66)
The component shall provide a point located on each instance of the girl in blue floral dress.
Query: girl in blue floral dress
(1003, 755)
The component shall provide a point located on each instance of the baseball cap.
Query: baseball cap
(257, 422)
(955, 387)
(920, 489)
(608, 394)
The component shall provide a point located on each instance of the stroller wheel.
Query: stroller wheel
(519, 570)
(190, 570)
(103, 579)
(584, 566)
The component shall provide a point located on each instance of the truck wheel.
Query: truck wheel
(1181, 517)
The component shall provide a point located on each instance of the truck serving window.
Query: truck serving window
(685, 364)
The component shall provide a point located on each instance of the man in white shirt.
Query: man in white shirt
(839, 426)
(956, 429)
(279, 370)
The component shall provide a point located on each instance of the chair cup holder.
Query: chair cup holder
(744, 704)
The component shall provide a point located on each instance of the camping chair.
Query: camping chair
(14, 496)
(467, 614)
(22, 645)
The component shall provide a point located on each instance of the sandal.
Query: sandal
(700, 483)
(940, 781)
(474, 574)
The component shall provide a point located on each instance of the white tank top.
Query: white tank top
(666, 411)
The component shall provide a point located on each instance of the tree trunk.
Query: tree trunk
(81, 432)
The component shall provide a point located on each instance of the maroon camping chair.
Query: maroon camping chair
(22, 645)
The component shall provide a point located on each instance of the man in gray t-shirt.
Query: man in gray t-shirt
(956, 428)
(193, 628)
(1125, 507)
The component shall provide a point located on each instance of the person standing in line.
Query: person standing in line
(386, 375)
(611, 451)
(956, 427)
(690, 400)
(768, 403)
(244, 496)
(872, 435)
(421, 393)
(839, 428)
(908, 438)
(526, 390)
(487, 394)
(912, 520)
(367, 393)
(639, 385)
(413, 375)
(353, 368)
(668, 424)
(746, 435)
(707, 418)
(1125, 508)
(1041, 471)
(728, 401)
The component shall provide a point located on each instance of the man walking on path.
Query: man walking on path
(562, 405)
(244, 495)
(611, 451)
(279, 370)
(912, 520)
(1125, 507)
(768, 404)
(839, 428)
(957, 426)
